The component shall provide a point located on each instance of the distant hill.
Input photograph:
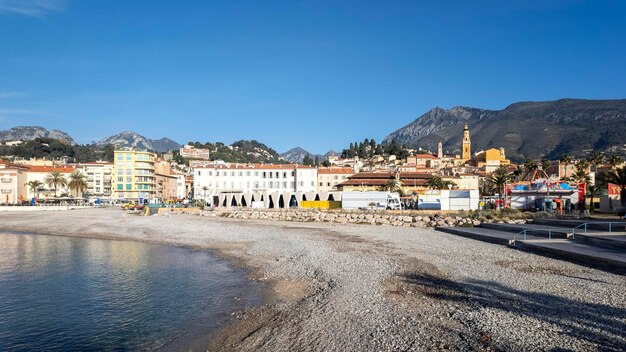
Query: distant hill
(297, 154)
(527, 129)
(29, 133)
(134, 140)
(242, 151)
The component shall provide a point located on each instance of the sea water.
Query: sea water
(62, 293)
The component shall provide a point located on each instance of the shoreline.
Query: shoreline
(362, 287)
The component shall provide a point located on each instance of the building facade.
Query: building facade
(13, 179)
(39, 173)
(191, 152)
(329, 177)
(99, 176)
(133, 175)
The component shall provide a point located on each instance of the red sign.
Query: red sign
(614, 189)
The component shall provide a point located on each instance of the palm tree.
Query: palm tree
(545, 164)
(35, 186)
(597, 158)
(517, 172)
(77, 182)
(566, 159)
(448, 184)
(434, 183)
(55, 179)
(394, 185)
(592, 192)
(530, 166)
(618, 177)
(204, 189)
(498, 179)
(614, 160)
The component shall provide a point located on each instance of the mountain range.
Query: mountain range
(135, 140)
(526, 129)
(28, 133)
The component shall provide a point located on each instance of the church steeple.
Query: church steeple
(440, 150)
(467, 144)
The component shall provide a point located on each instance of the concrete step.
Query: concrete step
(484, 234)
(604, 239)
(581, 253)
(531, 229)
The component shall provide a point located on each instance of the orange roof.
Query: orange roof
(335, 170)
(62, 169)
(12, 165)
(423, 156)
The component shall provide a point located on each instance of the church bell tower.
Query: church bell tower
(467, 144)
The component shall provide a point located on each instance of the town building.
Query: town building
(380, 181)
(329, 177)
(225, 184)
(13, 179)
(98, 177)
(490, 160)
(39, 173)
(133, 175)
(191, 152)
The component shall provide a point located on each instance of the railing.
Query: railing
(584, 225)
(512, 242)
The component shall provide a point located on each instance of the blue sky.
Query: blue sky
(316, 74)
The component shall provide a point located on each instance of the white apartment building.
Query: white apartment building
(271, 183)
(189, 151)
(181, 189)
(98, 178)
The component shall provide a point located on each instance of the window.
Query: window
(277, 174)
(312, 183)
(248, 173)
(328, 184)
(321, 184)
(120, 179)
(301, 183)
(120, 165)
(270, 184)
(129, 172)
(217, 173)
(129, 179)
(293, 173)
(248, 184)
(232, 173)
(240, 173)
(129, 157)
(271, 175)
(199, 173)
(256, 173)
(120, 187)
(210, 173)
(284, 184)
(120, 157)
(284, 175)
(129, 187)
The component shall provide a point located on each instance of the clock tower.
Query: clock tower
(467, 145)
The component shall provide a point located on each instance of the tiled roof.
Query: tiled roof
(335, 170)
(62, 169)
(423, 156)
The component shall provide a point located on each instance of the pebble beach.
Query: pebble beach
(343, 286)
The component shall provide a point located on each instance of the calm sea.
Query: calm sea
(61, 293)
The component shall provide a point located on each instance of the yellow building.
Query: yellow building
(133, 175)
(491, 159)
(467, 145)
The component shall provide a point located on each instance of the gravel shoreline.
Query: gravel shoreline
(365, 287)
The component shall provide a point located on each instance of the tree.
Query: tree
(592, 192)
(437, 182)
(55, 179)
(581, 176)
(517, 172)
(614, 160)
(618, 177)
(530, 166)
(77, 182)
(545, 164)
(566, 159)
(204, 189)
(597, 158)
(498, 179)
(394, 185)
(35, 187)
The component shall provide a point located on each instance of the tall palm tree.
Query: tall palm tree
(530, 166)
(77, 182)
(204, 189)
(394, 185)
(614, 160)
(35, 187)
(517, 172)
(566, 159)
(545, 164)
(498, 179)
(55, 179)
(597, 158)
(434, 183)
(592, 192)
(618, 177)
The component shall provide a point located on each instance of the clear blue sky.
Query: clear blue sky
(316, 74)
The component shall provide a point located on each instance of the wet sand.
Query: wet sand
(360, 287)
